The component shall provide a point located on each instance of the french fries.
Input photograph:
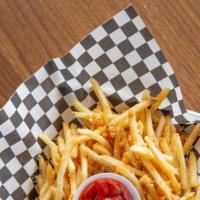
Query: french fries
(191, 139)
(138, 143)
(192, 162)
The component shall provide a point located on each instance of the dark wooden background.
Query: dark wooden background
(33, 31)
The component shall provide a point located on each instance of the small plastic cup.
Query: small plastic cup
(133, 191)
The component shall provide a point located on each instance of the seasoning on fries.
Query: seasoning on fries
(138, 143)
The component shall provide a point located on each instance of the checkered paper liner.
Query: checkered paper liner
(121, 55)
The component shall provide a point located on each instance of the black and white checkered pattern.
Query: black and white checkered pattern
(121, 55)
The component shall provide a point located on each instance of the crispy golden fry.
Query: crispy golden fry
(116, 150)
(181, 160)
(159, 98)
(173, 150)
(102, 98)
(146, 95)
(192, 162)
(48, 142)
(87, 115)
(135, 136)
(191, 139)
(149, 124)
(160, 126)
(67, 131)
(131, 176)
(167, 131)
(84, 166)
(80, 107)
(61, 144)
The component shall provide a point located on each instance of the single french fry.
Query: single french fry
(159, 98)
(150, 130)
(67, 131)
(101, 149)
(167, 130)
(136, 138)
(192, 162)
(84, 166)
(48, 141)
(146, 95)
(61, 144)
(158, 179)
(102, 98)
(181, 161)
(191, 139)
(131, 176)
(124, 141)
(87, 115)
(80, 107)
(160, 126)
(116, 150)
(173, 150)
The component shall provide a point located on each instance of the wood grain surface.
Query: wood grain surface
(33, 31)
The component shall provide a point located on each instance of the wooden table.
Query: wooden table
(33, 31)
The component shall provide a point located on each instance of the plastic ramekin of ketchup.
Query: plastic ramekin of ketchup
(106, 186)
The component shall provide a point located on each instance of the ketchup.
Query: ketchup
(106, 189)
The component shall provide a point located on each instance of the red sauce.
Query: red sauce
(106, 189)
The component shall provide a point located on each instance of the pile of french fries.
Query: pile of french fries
(139, 143)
